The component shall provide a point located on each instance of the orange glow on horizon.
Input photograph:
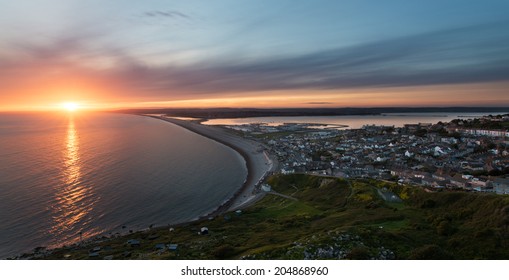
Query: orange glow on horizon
(417, 96)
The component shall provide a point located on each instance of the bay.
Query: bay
(67, 177)
(355, 121)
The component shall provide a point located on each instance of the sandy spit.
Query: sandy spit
(258, 162)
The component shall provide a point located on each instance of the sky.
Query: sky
(263, 53)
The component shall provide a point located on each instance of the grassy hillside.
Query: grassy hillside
(314, 217)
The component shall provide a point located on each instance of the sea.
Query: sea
(68, 177)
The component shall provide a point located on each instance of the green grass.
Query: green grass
(333, 213)
(275, 206)
(392, 225)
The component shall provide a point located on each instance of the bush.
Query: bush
(429, 252)
(428, 203)
(223, 251)
(445, 228)
(358, 253)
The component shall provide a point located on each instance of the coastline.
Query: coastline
(258, 163)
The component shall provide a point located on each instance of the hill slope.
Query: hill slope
(311, 217)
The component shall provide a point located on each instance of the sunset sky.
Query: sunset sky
(258, 53)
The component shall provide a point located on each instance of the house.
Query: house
(458, 181)
(411, 128)
(474, 166)
(481, 185)
(133, 242)
(266, 188)
(287, 170)
(501, 185)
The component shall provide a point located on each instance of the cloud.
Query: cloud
(318, 103)
(472, 54)
(464, 55)
(167, 14)
(164, 18)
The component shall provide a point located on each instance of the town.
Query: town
(470, 154)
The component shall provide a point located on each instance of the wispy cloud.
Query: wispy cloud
(164, 18)
(167, 14)
(465, 55)
(319, 103)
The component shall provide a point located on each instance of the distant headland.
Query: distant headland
(215, 113)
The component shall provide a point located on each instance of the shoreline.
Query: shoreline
(258, 163)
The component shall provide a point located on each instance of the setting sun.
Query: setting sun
(70, 106)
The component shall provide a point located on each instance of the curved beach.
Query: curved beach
(257, 160)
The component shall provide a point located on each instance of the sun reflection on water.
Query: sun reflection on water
(74, 199)
(72, 154)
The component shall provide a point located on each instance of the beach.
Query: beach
(258, 162)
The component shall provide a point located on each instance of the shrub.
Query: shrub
(429, 252)
(358, 253)
(223, 251)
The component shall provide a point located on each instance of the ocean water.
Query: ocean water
(64, 177)
(355, 121)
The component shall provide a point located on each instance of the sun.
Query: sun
(70, 106)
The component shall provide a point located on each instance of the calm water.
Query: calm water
(94, 173)
(397, 120)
